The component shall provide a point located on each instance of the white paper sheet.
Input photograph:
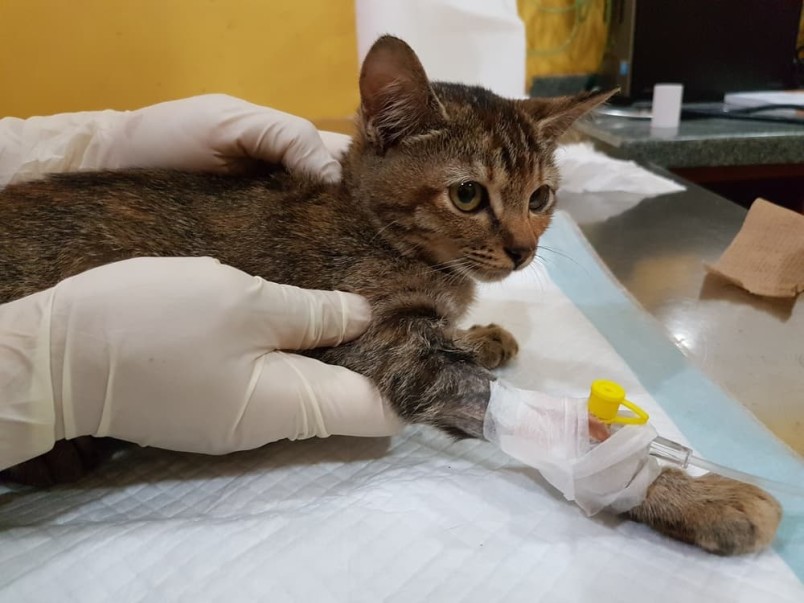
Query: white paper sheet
(585, 170)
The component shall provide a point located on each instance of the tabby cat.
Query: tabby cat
(444, 184)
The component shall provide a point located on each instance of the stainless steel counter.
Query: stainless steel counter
(753, 347)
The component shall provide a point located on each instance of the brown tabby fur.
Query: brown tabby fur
(389, 232)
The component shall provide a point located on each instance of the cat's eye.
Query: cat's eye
(541, 198)
(467, 196)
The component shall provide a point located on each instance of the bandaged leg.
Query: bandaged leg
(552, 435)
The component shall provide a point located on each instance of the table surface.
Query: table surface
(752, 346)
(698, 142)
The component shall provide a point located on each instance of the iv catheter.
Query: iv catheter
(605, 399)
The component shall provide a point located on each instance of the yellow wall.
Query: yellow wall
(564, 36)
(69, 55)
(801, 31)
(296, 55)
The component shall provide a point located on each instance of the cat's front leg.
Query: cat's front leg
(429, 376)
(720, 515)
(492, 345)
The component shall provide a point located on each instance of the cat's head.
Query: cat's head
(455, 174)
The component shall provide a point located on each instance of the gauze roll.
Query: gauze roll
(552, 435)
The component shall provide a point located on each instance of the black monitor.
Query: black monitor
(711, 46)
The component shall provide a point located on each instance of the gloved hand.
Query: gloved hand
(179, 353)
(336, 143)
(554, 436)
(213, 132)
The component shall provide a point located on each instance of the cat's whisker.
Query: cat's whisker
(532, 269)
(563, 255)
(449, 263)
(384, 228)
(461, 273)
(540, 259)
(459, 268)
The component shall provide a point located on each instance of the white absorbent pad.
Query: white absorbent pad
(413, 518)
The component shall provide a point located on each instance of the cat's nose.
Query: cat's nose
(518, 255)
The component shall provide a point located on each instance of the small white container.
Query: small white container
(666, 109)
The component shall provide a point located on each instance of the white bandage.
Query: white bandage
(552, 435)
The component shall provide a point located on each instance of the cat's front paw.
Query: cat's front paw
(493, 345)
(720, 515)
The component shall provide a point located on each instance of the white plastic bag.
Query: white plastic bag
(476, 42)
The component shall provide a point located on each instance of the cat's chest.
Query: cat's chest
(397, 283)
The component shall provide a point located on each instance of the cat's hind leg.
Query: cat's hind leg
(68, 461)
(492, 345)
(720, 515)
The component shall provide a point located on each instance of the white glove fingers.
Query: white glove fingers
(277, 137)
(336, 144)
(302, 398)
(171, 352)
(299, 319)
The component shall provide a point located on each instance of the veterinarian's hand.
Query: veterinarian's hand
(213, 132)
(179, 353)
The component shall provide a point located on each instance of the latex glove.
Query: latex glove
(553, 435)
(179, 353)
(336, 143)
(213, 132)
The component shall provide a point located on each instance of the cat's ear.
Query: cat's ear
(396, 99)
(554, 116)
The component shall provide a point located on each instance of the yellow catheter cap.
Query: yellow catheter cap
(605, 399)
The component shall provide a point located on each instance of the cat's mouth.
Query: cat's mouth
(485, 265)
(491, 269)
(487, 272)
(491, 274)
